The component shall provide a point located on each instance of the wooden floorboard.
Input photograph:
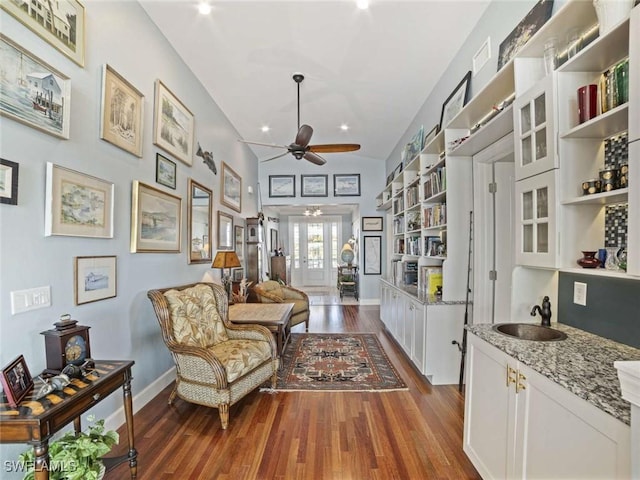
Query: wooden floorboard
(404, 435)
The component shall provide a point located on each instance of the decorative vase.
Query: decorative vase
(589, 260)
(611, 12)
(622, 259)
(611, 263)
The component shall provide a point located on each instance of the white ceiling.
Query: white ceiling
(370, 69)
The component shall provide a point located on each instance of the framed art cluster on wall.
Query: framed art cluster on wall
(344, 185)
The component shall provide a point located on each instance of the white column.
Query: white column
(629, 375)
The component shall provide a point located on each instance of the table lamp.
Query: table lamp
(226, 259)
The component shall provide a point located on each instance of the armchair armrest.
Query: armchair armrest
(253, 332)
(266, 297)
(196, 363)
(295, 294)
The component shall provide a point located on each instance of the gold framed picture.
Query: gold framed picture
(94, 278)
(174, 125)
(231, 191)
(156, 220)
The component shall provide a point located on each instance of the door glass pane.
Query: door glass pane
(334, 245)
(541, 143)
(525, 119)
(543, 238)
(527, 206)
(542, 203)
(296, 245)
(526, 150)
(527, 238)
(539, 111)
(315, 245)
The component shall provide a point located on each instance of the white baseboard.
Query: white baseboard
(369, 301)
(117, 418)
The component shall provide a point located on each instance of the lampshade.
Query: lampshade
(225, 259)
(347, 254)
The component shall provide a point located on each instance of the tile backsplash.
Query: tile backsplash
(616, 153)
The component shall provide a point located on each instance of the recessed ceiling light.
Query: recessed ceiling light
(265, 128)
(362, 4)
(204, 8)
(344, 127)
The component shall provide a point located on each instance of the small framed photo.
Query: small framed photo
(454, 103)
(8, 182)
(314, 186)
(174, 125)
(225, 231)
(237, 274)
(95, 278)
(282, 186)
(156, 220)
(165, 171)
(372, 255)
(122, 112)
(371, 224)
(231, 191)
(77, 204)
(346, 185)
(16, 381)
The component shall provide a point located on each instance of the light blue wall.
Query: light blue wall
(121, 34)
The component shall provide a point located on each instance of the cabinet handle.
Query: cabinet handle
(519, 384)
(511, 372)
(96, 397)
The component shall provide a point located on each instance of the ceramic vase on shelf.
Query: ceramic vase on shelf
(589, 260)
(611, 263)
(611, 12)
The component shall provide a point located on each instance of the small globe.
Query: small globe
(347, 256)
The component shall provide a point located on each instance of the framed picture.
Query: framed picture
(225, 231)
(346, 185)
(165, 171)
(239, 243)
(314, 186)
(282, 186)
(431, 134)
(371, 224)
(156, 220)
(199, 210)
(16, 381)
(274, 240)
(231, 191)
(372, 255)
(95, 278)
(414, 146)
(454, 103)
(33, 92)
(68, 36)
(527, 28)
(237, 274)
(174, 125)
(77, 204)
(8, 182)
(122, 112)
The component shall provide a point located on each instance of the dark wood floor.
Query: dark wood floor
(414, 434)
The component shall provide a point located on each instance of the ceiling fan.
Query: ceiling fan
(300, 147)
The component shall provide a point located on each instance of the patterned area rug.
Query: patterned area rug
(337, 362)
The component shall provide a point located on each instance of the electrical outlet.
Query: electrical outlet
(580, 293)
(31, 299)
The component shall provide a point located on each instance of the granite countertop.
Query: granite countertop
(583, 363)
(423, 297)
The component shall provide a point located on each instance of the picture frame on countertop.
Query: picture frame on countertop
(166, 171)
(372, 254)
(314, 186)
(282, 186)
(70, 39)
(77, 204)
(371, 224)
(174, 125)
(231, 191)
(456, 101)
(33, 93)
(122, 112)
(9, 182)
(94, 278)
(225, 231)
(522, 33)
(346, 185)
(156, 220)
(16, 381)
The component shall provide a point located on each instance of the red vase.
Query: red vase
(589, 260)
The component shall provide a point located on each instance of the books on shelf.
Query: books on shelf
(412, 196)
(433, 246)
(430, 279)
(434, 215)
(412, 246)
(435, 183)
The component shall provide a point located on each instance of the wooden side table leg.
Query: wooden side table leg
(41, 451)
(128, 412)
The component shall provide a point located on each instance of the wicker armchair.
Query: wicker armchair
(217, 363)
(274, 292)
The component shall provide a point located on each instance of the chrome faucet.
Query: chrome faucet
(544, 311)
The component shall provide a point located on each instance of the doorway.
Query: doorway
(314, 249)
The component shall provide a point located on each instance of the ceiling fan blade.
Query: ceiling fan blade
(334, 147)
(273, 158)
(304, 136)
(262, 144)
(314, 158)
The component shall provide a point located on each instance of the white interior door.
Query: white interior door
(314, 250)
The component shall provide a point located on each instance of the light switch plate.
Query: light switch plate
(580, 293)
(30, 299)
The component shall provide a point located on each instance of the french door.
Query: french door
(314, 250)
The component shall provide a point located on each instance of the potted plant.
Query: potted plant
(74, 457)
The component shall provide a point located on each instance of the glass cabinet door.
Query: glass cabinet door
(533, 124)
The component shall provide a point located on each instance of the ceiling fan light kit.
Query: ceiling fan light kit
(300, 147)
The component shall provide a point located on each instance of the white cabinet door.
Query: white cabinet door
(416, 340)
(536, 222)
(488, 415)
(534, 129)
(634, 76)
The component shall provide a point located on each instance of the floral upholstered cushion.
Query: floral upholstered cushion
(273, 288)
(241, 356)
(196, 321)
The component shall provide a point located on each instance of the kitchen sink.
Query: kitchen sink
(530, 331)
